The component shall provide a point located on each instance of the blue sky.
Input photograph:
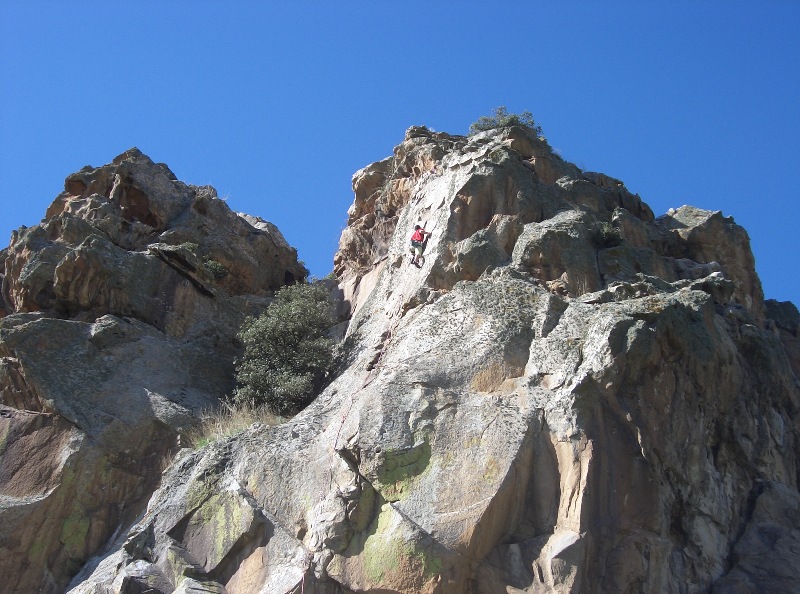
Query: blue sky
(278, 104)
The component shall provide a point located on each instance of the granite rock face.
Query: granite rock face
(568, 395)
(121, 312)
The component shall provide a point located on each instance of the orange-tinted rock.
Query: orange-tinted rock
(117, 329)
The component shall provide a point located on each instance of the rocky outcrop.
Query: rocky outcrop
(122, 309)
(123, 237)
(501, 197)
(784, 321)
(569, 395)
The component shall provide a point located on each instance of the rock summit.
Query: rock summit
(569, 394)
(120, 317)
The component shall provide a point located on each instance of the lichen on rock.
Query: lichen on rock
(117, 331)
(568, 395)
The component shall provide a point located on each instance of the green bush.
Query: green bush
(216, 269)
(605, 235)
(288, 356)
(502, 118)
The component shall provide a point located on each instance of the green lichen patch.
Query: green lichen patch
(491, 470)
(400, 470)
(39, 549)
(4, 427)
(393, 553)
(179, 564)
(424, 559)
(216, 527)
(73, 534)
(200, 491)
(382, 550)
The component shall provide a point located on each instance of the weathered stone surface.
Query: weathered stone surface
(506, 438)
(560, 247)
(119, 327)
(767, 555)
(784, 319)
(504, 196)
(569, 395)
(102, 233)
(710, 237)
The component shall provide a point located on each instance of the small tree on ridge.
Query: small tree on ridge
(501, 118)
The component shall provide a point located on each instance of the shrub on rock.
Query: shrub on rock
(288, 355)
(501, 119)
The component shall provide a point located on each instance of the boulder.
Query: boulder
(707, 236)
(109, 218)
(118, 328)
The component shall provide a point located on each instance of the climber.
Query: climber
(418, 240)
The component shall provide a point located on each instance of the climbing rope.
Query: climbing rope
(371, 375)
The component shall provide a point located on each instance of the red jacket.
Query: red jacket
(418, 235)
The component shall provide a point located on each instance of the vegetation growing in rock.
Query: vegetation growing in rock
(216, 269)
(227, 420)
(500, 118)
(188, 246)
(606, 235)
(288, 356)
